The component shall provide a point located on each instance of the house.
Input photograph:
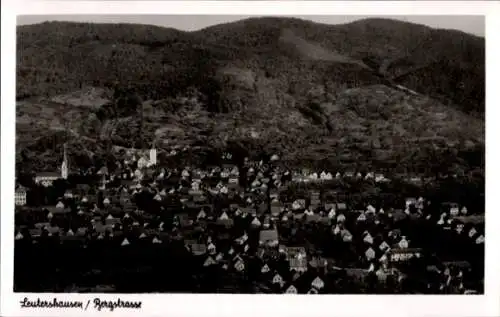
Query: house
(370, 254)
(142, 162)
(326, 176)
(312, 217)
(403, 244)
(20, 196)
(234, 171)
(315, 199)
(224, 174)
(274, 194)
(329, 206)
(349, 174)
(346, 235)
(35, 233)
(103, 171)
(341, 206)
(361, 217)
(341, 218)
(265, 269)
(209, 262)
(277, 279)
(299, 204)
(403, 255)
(370, 209)
(225, 220)
(380, 178)
(464, 210)
(276, 210)
(230, 169)
(211, 248)
(318, 283)
(356, 273)
(410, 201)
(291, 290)
(239, 265)
(369, 175)
(384, 246)
(298, 262)
(269, 237)
(256, 222)
(184, 220)
(454, 210)
(459, 265)
(110, 220)
(368, 238)
(46, 178)
(480, 239)
(475, 219)
(19, 236)
(294, 252)
(125, 242)
(313, 176)
(416, 180)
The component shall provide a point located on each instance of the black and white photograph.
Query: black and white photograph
(258, 154)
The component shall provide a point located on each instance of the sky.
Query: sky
(466, 23)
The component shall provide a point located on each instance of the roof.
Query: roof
(459, 264)
(408, 250)
(20, 188)
(292, 251)
(398, 215)
(198, 248)
(475, 219)
(267, 235)
(357, 273)
(341, 206)
(103, 170)
(48, 174)
(298, 263)
(313, 218)
(55, 210)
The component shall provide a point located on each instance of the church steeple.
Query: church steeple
(152, 154)
(64, 166)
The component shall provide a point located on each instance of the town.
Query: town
(251, 227)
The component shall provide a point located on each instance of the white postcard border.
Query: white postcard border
(257, 305)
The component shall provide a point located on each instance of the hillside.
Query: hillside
(312, 92)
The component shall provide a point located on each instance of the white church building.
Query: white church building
(47, 178)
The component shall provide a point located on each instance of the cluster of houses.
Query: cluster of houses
(237, 218)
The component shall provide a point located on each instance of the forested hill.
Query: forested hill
(310, 89)
(445, 63)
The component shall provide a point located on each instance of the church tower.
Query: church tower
(152, 155)
(64, 166)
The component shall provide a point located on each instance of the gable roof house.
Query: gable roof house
(298, 262)
(225, 220)
(46, 178)
(20, 196)
(341, 206)
(291, 290)
(318, 283)
(195, 247)
(269, 237)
